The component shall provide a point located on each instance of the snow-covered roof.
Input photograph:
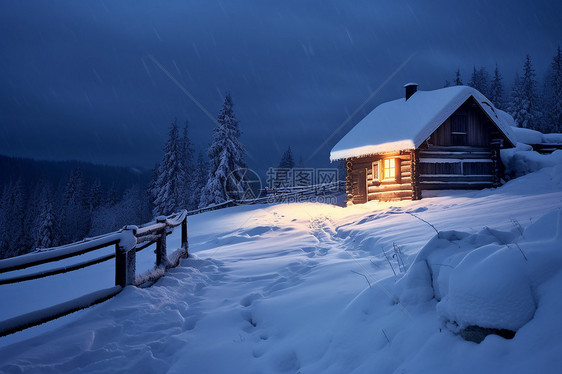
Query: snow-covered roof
(401, 125)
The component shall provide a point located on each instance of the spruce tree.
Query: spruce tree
(458, 80)
(200, 177)
(96, 195)
(151, 188)
(555, 97)
(287, 161)
(75, 215)
(111, 196)
(44, 231)
(168, 189)
(525, 101)
(130, 208)
(480, 80)
(32, 212)
(3, 218)
(516, 102)
(188, 201)
(496, 89)
(474, 79)
(12, 230)
(226, 158)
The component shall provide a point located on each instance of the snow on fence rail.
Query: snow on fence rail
(127, 241)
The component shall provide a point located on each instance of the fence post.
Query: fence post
(126, 257)
(161, 255)
(184, 244)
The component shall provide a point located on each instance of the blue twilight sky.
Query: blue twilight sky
(77, 80)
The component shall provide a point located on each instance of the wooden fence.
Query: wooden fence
(546, 147)
(127, 242)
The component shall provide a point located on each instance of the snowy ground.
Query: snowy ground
(285, 288)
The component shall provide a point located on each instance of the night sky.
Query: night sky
(99, 81)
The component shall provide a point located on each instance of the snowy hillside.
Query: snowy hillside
(312, 288)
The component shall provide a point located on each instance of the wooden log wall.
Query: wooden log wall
(478, 128)
(416, 191)
(364, 188)
(456, 168)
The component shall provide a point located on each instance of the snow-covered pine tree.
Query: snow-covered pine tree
(168, 188)
(474, 78)
(131, 206)
(151, 188)
(75, 214)
(496, 89)
(480, 80)
(458, 80)
(3, 217)
(524, 99)
(188, 201)
(44, 231)
(200, 176)
(32, 212)
(4, 229)
(96, 195)
(555, 94)
(226, 157)
(516, 101)
(287, 161)
(12, 230)
(111, 197)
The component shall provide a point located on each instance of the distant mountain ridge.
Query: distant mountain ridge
(30, 171)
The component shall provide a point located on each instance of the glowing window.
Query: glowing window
(389, 169)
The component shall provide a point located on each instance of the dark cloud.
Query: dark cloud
(78, 81)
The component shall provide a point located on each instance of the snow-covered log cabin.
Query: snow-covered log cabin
(429, 140)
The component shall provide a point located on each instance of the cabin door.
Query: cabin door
(361, 196)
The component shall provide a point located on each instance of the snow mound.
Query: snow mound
(552, 138)
(424, 278)
(489, 289)
(527, 136)
(488, 279)
(520, 161)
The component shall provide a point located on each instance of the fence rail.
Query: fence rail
(546, 147)
(126, 242)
